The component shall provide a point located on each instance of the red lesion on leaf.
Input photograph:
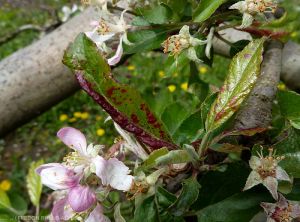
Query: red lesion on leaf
(219, 115)
(111, 90)
(134, 118)
(232, 106)
(151, 119)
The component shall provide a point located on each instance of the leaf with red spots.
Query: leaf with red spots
(123, 103)
(243, 72)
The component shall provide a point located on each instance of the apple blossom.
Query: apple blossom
(78, 198)
(265, 170)
(86, 159)
(108, 27)
(283, 210)
(249, 8)
(183, 42)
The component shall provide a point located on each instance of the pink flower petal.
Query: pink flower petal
(117, 57)
(57, 176)
(81, 198)
(61, 211)
(97, 215)
(73, 138)
(45, 166)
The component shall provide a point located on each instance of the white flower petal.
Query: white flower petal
(241, 6)
(117, 57)
(73, 138)
(247, 21)
(253, 179)
(185, 31)
(97, 215)
(271, 184)
(209, 42)
(131, 143)
(114, 173)
(192, 55)
(281, 174)
(254, 162)
(125, 39)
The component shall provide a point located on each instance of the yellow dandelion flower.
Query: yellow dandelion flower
(85, 115)
(98, 117)
(131, 67)
(281, 86)
(100, 132)
(161, 73)
(5, 185)
(203, 69)
(184, 86)
(72, 120)
(77, 114)
(171, 88)
(63, 117)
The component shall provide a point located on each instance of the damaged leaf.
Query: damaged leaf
(243, 72)
(124, 104)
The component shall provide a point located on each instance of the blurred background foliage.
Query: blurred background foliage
(37, 139)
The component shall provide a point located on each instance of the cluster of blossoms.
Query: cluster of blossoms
(251, 8)
(71, 177)
(184, 42)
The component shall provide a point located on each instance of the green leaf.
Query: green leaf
(124, 104)
(6, 218)
(174, 157)
(145, 40)
(117, 214)
(289, 103)
(176, 65)
(218, 185)
(13, 204)
(206, 106)
(164, 198)
(289, 147)
(190, 129)
(243, 72)
(174, 115)
(18, 203)
(188, 195)
(237, 208)
(151, 160)
(146, 211)
(34, 183)
(159, 101)
(4, 200)
(205, 9)
(159, 14)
